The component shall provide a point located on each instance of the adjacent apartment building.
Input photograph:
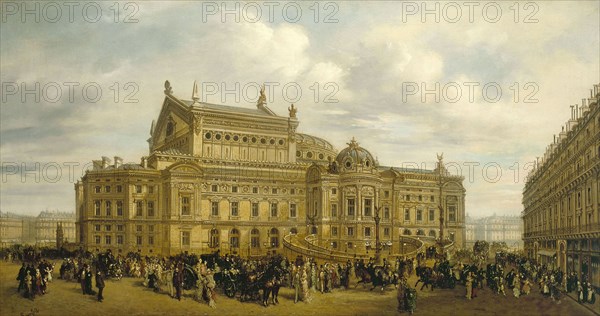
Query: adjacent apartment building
(561, 196)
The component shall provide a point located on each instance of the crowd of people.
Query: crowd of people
(203, 275)
(33, 280)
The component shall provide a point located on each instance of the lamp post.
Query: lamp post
(377, 243)
(440, 204)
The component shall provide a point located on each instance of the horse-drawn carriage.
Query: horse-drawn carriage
(440, 277)
(109, 265)
(379, 276)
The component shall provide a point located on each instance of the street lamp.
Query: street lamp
(377, 244)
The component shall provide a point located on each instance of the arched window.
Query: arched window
(234, 238)
(294, 231)
(420, 232)
(170, 128)
(255, 238)
(274, 237)
(213, 238)
(432, 233)
(406, 232)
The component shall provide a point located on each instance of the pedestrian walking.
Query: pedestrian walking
(469, 286)
(100, 285)
(297, 286)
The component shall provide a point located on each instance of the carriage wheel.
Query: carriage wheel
(229, 289)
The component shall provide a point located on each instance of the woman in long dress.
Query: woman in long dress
(306, 296)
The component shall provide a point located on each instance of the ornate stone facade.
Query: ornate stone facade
(561, 197)
(238, 179)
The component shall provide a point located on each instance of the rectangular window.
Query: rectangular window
(185, 238)
(138, 188)
(119, 208)
(350, 207)
(334, 231)
(151, 208)
(97, 239)
(386, 212)
(139, 205)
(254, 209)
(386, 194)
(334, 191)
(420, 198)
(367, 231)
(150, 240)
(234, 209)
(107, 228)
(350, 231)
(185, 205)
(408, 197)
(274, 209)
(274, 190)
(107, 189)
(108, 205)
(431, 215)
(452, 213)
(214, 208)
(255, 190)
(293, 210)
(214, 188)
(139, 228)
(119, 239)
(386, 232)
(97, 228)
(150, 189)
(292, 191)
(234, 189)
(97, 208)
(368, 207)
(107, 240)
(589, 196)
(120, 228)
(406, 214)
(119, 188)
(419, 215)
(334, 212)
(138, 240)
(151, 228)
(432, 198)
(97, 189)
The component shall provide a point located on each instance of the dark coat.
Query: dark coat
(99, 281)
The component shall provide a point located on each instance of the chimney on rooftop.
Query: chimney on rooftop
(105, 162)
(118, 161)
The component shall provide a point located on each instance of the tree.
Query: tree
(499, 246)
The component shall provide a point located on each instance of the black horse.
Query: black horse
(271, 282)
(378, 276)
(426, 275)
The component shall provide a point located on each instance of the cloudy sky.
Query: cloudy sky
(506, 75)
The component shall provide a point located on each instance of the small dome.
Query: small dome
(352, 155)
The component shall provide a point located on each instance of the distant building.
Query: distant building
(47, 223)
(11, 229)
(561, 205)
(508, 229)
(39, 230)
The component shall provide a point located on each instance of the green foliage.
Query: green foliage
(498, 246)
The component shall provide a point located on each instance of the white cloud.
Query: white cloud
(368, 55)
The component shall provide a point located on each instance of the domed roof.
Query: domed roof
(354, 154)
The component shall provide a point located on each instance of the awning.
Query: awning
(547, 253)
